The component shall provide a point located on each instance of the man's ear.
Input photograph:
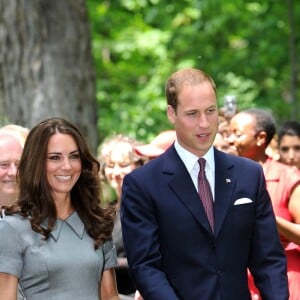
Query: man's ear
(171, 114)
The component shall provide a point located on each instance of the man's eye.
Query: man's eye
(211, 110)
(191, 114)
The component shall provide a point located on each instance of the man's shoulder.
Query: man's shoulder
(168, 161)
(237, 161)
(151, 165)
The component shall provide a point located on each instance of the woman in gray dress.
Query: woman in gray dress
(56, 240)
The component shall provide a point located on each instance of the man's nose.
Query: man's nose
(12, 170)
(203, 121)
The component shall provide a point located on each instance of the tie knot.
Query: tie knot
(202, 162)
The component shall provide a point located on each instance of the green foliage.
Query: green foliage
(137, 44)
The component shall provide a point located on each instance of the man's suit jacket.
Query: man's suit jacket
(171, 250)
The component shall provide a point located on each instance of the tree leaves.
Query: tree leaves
(137, 44)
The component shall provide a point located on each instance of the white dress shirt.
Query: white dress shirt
(190, 161)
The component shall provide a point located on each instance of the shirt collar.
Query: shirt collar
(73, 221)
(189, 159)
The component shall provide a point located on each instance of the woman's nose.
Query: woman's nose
(291, 154)
(230, 138)
(66, 164)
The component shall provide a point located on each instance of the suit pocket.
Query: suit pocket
(243, 217)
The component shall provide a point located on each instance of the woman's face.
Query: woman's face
(289, 150)
(119, 164)
(63, 166)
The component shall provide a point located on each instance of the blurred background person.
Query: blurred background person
(289, 229)
(10, 154)
(289, 143)
(222, 144)
(251, 132)
(272, 148)
(19, 131)
(158, 145)
(221, 138)
(11, 147)
(118, 158)
(12, 139)
(223, 126)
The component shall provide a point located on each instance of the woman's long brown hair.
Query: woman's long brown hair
(35, 199)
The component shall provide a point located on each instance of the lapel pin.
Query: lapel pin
(228, 180)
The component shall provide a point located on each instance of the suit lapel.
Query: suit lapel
(182, 185)
(224, 183)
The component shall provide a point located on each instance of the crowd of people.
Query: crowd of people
(136, 221)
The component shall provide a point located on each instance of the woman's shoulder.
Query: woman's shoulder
(16, 221)
(284, 172)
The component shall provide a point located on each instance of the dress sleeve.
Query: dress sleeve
(110, 255)
(10, 250)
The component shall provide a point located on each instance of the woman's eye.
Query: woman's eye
(54, 157)
(125, 165)
(75, 156)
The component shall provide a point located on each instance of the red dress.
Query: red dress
(280, 180)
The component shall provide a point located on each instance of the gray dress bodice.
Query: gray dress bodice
(64, 267)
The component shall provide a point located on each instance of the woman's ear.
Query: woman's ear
(261, 138)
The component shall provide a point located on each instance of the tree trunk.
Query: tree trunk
(46, 67)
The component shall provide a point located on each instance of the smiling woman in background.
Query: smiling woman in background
(118, 158)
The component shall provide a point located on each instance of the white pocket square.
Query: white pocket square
(242, 201)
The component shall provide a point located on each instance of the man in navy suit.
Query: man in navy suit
(172, 250)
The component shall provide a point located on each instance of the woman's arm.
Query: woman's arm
(8, 286)
(108, 286)
(288, 229)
